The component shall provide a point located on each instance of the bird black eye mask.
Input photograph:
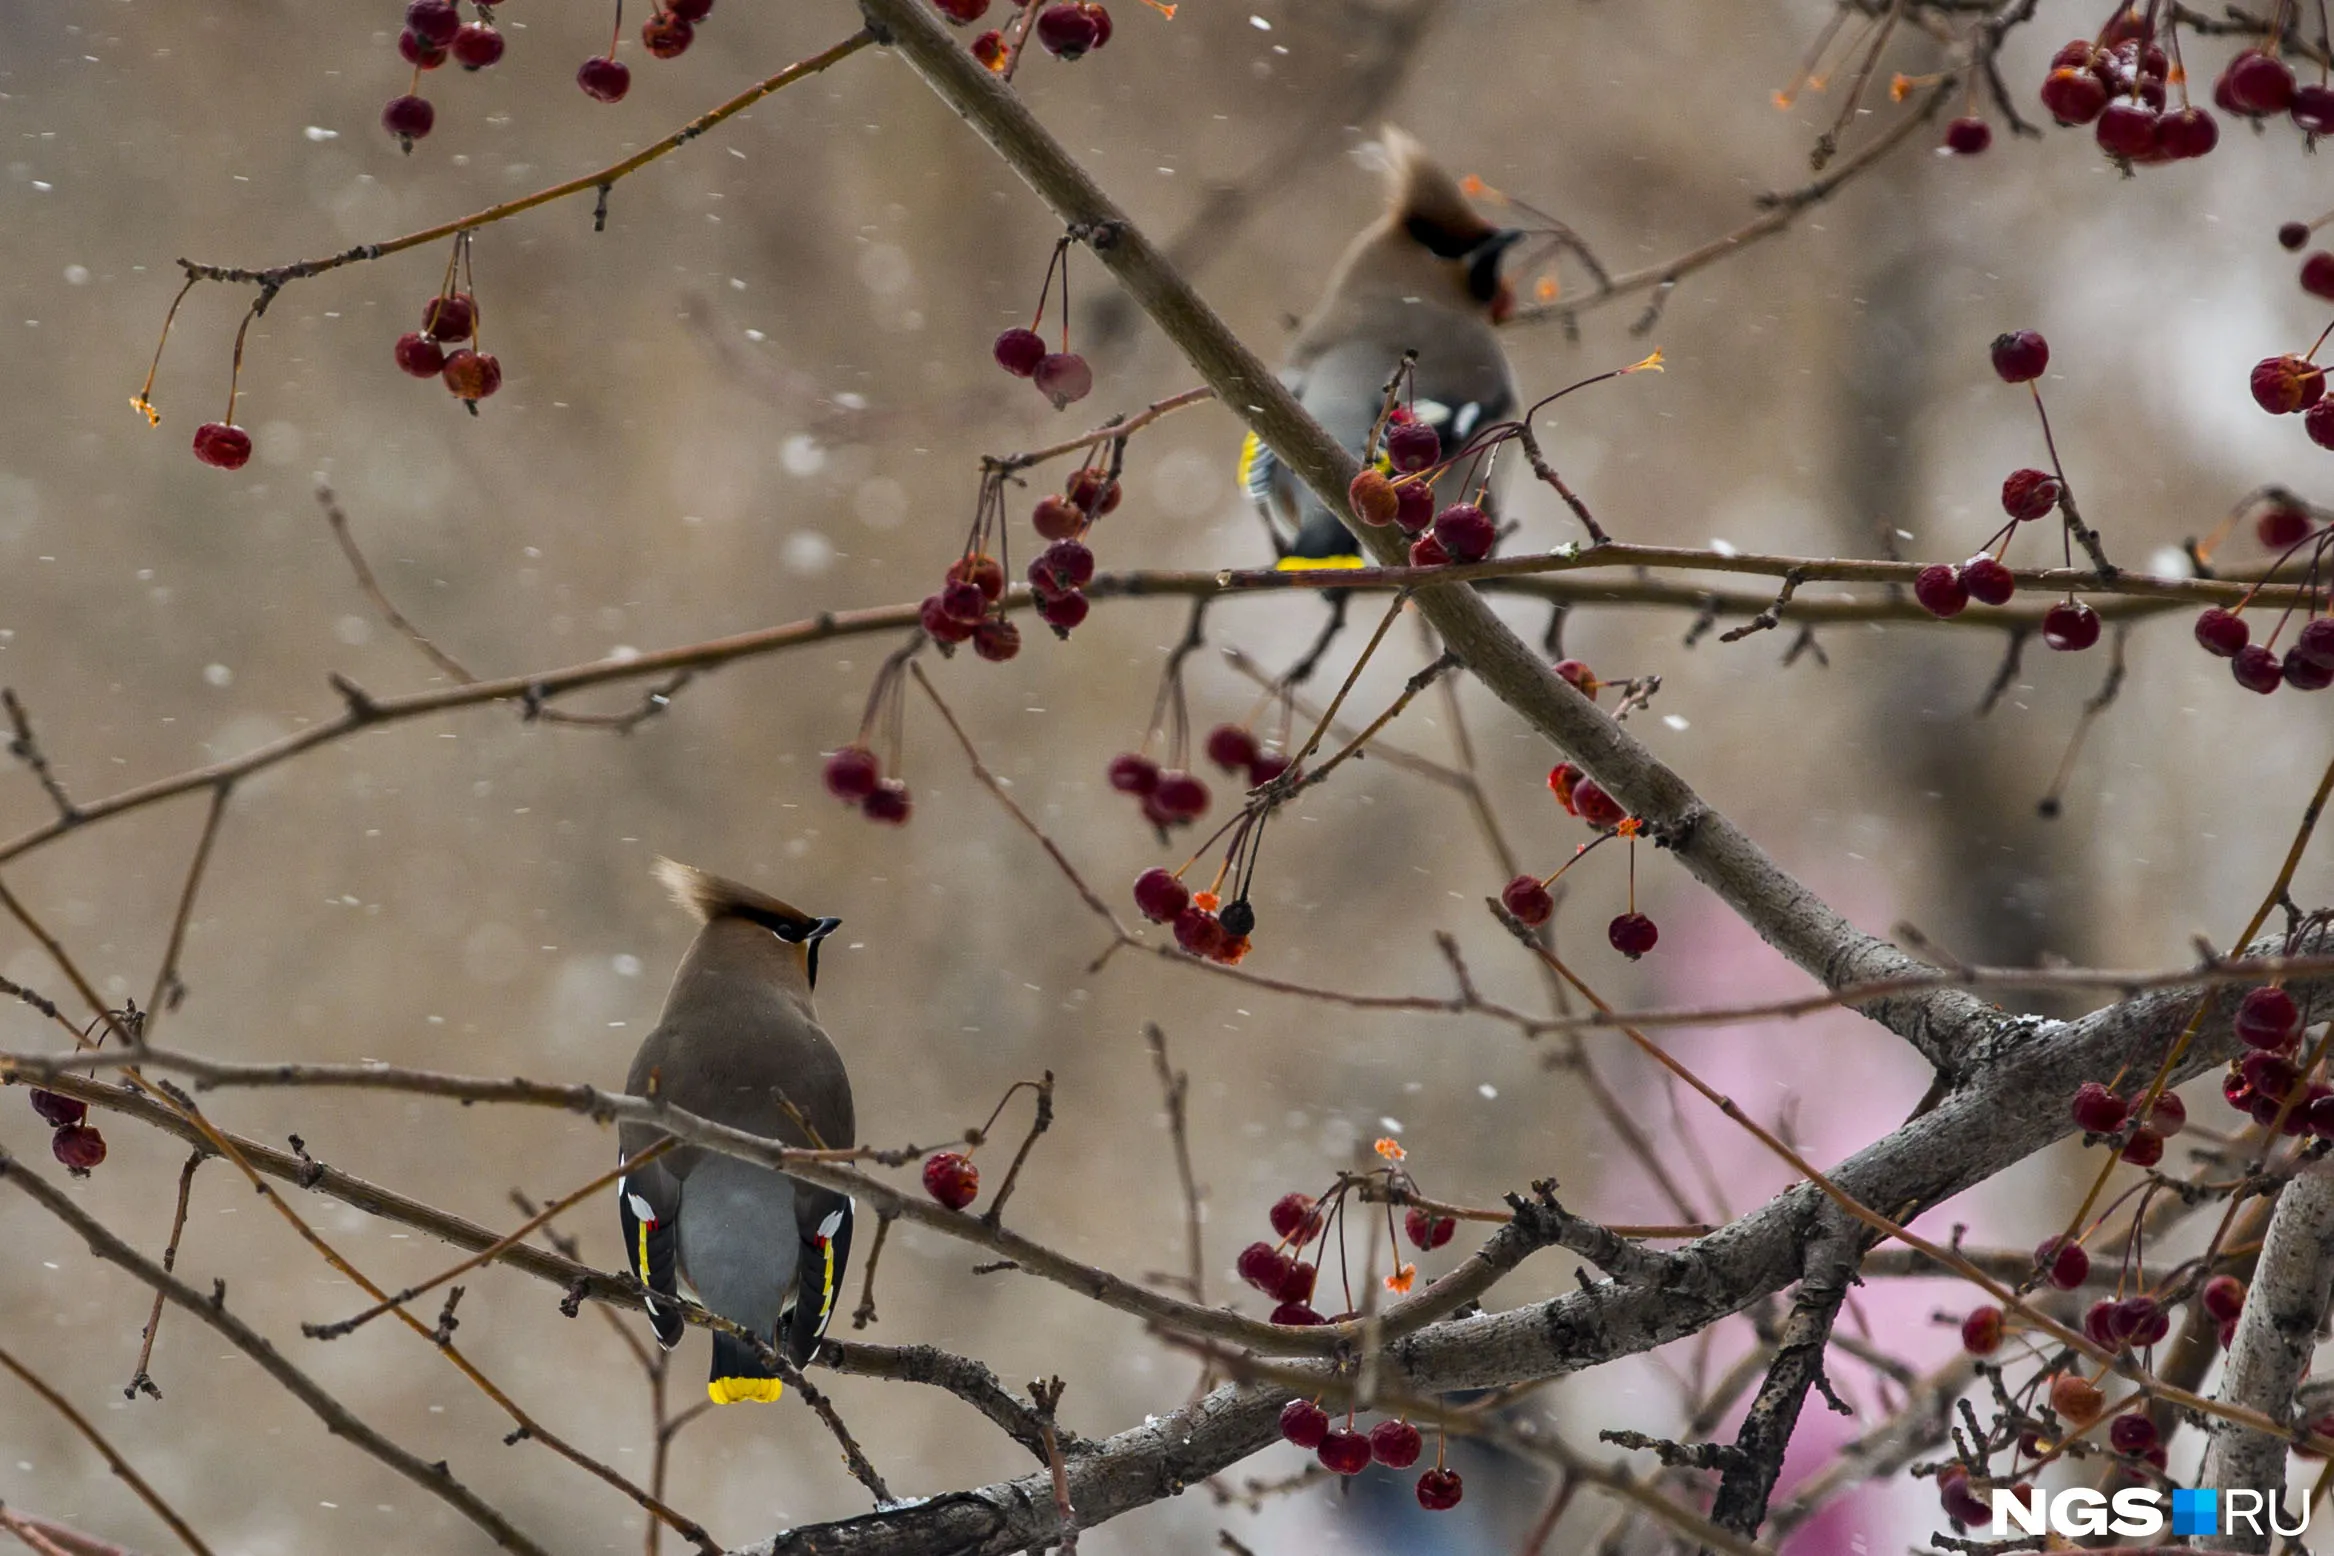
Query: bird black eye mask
(808, 935)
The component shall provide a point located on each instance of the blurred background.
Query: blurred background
(762, 392)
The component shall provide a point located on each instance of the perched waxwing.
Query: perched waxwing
(1424, 277)
(740, 1044)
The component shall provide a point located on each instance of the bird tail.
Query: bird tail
(739, 1374)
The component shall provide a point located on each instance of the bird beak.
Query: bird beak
(1483, 260)
(820, 929)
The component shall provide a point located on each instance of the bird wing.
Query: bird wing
(649, 1201)
(818, 1278)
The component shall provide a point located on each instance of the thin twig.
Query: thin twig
(141, 1380)
(113, 1460)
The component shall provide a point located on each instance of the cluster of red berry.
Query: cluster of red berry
(969, 606)
(1066, 29)
(854, 775)
(2289, 385)
(2286, 526)
(449, 320)
(434, 32)
(2269, 1084)
(1061, 376)
(1403, 495)
(2102, 1111)
(1344, 1450)
(951, 1178)
(2118, 84)
(1204, 924)
(1170, 797)
(667, 34)
(1944, 590)
(1235, 749)
(1532, 898)
(76, 1142)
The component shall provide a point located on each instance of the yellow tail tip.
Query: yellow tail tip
(734, 1391)
(1302, 564)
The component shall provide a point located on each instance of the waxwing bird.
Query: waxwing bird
(1423, 277)
(739, 1043)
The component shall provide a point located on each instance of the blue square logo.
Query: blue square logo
(2196, 1512)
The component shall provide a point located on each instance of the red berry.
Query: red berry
(2269, 1074)
(2020, 356)
(2267, 1018)
(2099, 1323)
(2141, 1320)
(2293, 235)
(419, 51)
(218, 444)
(1412, 445)
(1066, 31)
(1063, 376)
(2257, 669)
(942, 625)
(989, 49)
(1395, 1444)
(2223, 633)
(1292, 1216)
(1160, 897)
(58, 1110)
(1968, 137)
(1133, 773)
(1981, 1331)
(1632, 934)
(965, 600)
(1100, 18)
(1056, 518)
(1413, 506)
(1181, 795)
(1019, 351)
(1093, 491)
(1426, 551)
(2186, 133)
(962, 12)
(2305, 674)
(1344, 1451)
(2318, 422)
(852, 773)
(1267, 766)
(477, 46)
(1297, 1284)
(1295, 1315)
(2133, 1434)
(1304, 1423)
(2098, 1110)
(1465, 532)
(1940, 590)
(1263, 1266)
(450, 318)
(665, 36)
(419, 355)
(690, 11)
(951, 1178)
(433, 21)
(2029, 494)
(982, 570)
(2127, 129)
(889, 804)
(1580, 677)
(2145, 1148)
(1531, 902)
(2073, 96)
(1373, 497)
(1593, 805)
(1426, 1230)
(1439, 1490)
(2064, 1264)
(2223, 1297)
(2070, 626)
(1200, 932)
(2316, 640)
(2286, 384)
(472, 375)
(79, 1146)
(1063, 612)
(408, 118)
(1231, 747)
(1564, 782)
(604, 78)
(1988, 581)
(2259, 84)
(996, 640)
(2284, 524)
(2169, 1116)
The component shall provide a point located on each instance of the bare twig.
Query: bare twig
(141, 1380)
(113, 1460)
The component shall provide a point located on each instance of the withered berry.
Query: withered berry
(79, 1146)
(852, 773)
(2169, 1116)
(2221, 632)
(2098, 1110)
(1063, 376)
(2077, 1402)
(223, 446)
(1063, 612)
(1295, 1218)
(962, 12)
(2133, 1433)
(1304, 1423)
(1238, 918)
(2029, 494)
(1344, 1451)
(1373, 498)
(1593, 805)
(2020, 356)
(2145, 1148)
(1199, 931)
(666, 36)
(1263, 1266)
(2286, 384)
(433, 21)
(1940, 591)
(1427, 551)
(996, 640)
(604, 78)
(2063, 1263)
(1531, 902)
(1061, 567)
(964, 600)
(1395, 1444)
(1439, 1490)
(1981, 1331)
(472, 375)
(56, 1109)
(2070, 626)
(982, 570)
(951, 1178)
(1296, 1284)
(1632, 934)
(1019, 351)
(1093, 491)
(943, 625)
(1160, 897)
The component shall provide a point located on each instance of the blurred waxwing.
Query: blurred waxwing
(740, 1044)
(1424, 277)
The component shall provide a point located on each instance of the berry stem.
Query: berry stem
(138, 402)
(235, 368)
(616, 34)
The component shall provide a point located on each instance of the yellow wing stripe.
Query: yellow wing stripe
(827, 1284)
(644, 1225)
(736, 1391)
(1301, 564)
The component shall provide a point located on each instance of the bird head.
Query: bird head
(1432, 237)
(714, 900)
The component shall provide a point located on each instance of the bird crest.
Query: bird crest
(707, 897)
(1426, 202)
